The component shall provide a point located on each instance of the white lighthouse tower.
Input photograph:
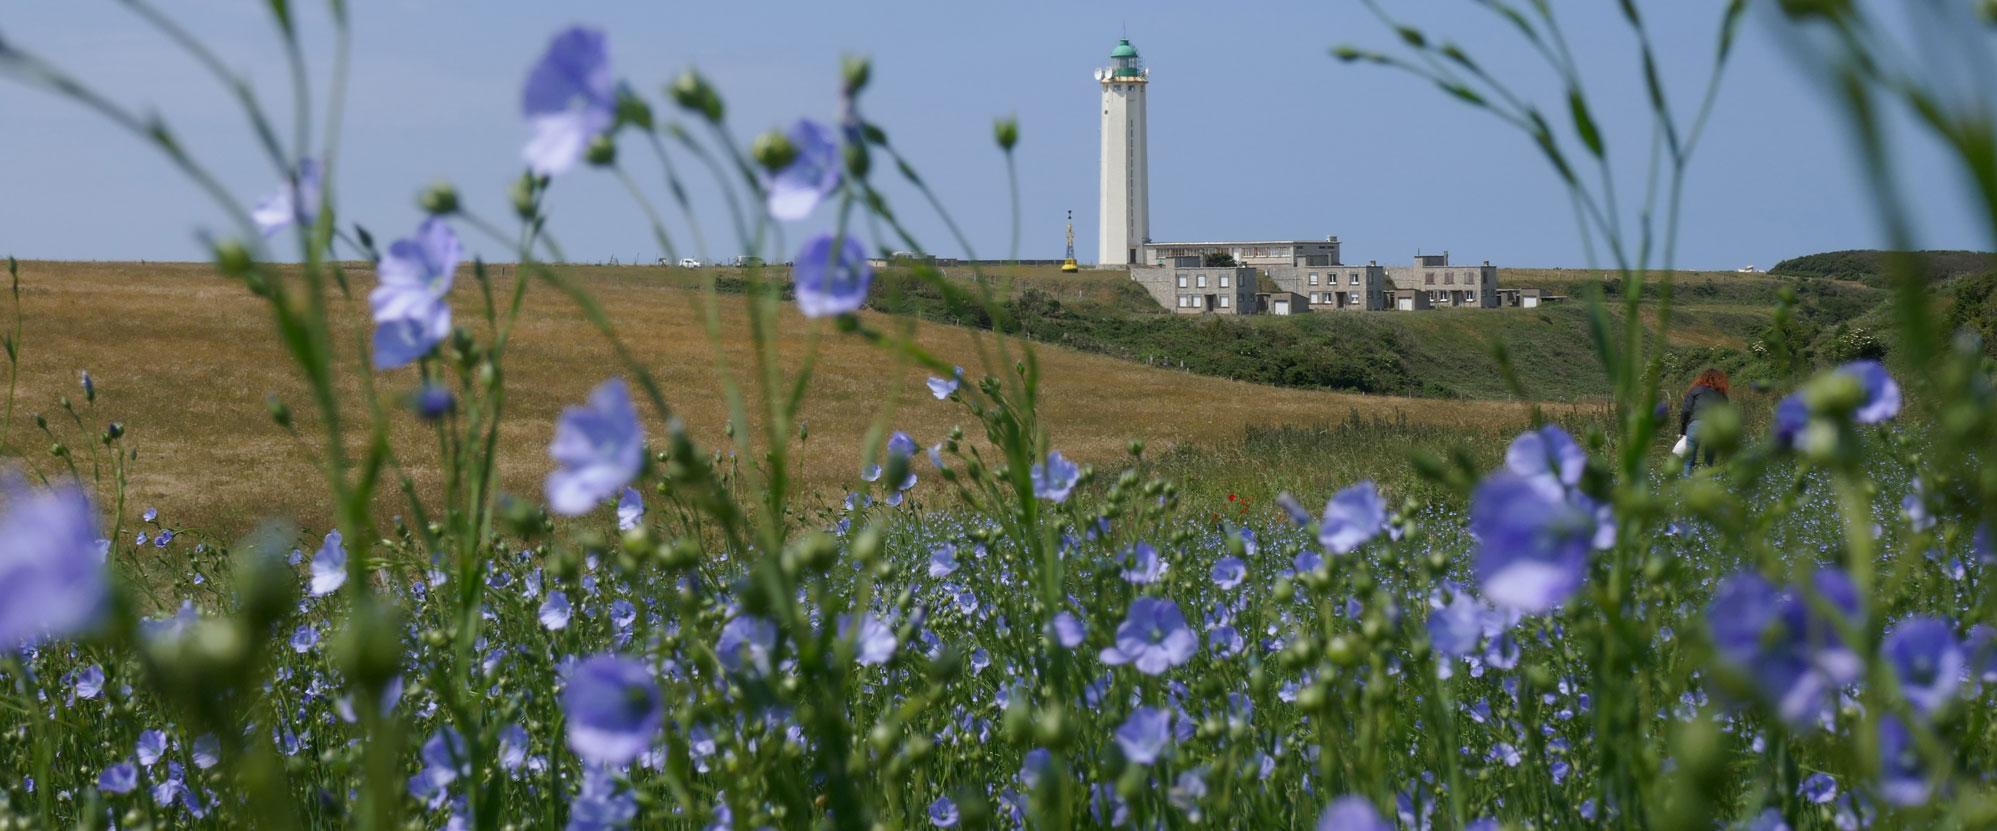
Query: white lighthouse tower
(1124, 218)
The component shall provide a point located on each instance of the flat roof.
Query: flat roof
(1246, 242)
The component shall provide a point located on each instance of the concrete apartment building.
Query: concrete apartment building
(1448, 286)
(1281, 277)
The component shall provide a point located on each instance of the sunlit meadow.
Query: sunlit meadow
(1574, 630)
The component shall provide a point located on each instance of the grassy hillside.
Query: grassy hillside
(185, 359)
(1872, 267)
(1718, 317)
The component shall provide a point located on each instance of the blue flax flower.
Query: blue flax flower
(613, 709)
(151, 746)
(555, 611)
(1788, 647)
(745, 645)
(1153, 637)
(434, 401)
(1055, 478)
(1819, 788)
(1142, 564)
(943, 560)
(570, 98)
(1882, 393)
(329, 565)
(797, 189)
(1980, 649)
(1927, 660)
(1791, 416)
(410, 314)
(1352, 517)
(120, 778)
(831, 277)
(297, 200)
(1145, 735)
(599, 448)
(1455, 629)
(875, 642)
(943, 387)
(52, 580)
(1229, 572)
(943, 813)
(1903, 780)
(1547, 453)
(1068, 630)
(1351, 813)
(601, 805)
(1532, 541)
(630, 509)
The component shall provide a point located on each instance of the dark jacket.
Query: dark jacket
(1696, 403)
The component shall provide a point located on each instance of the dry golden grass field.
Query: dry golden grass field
(185, 360)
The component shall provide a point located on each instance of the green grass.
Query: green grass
(1445, 353)
(1872, 267)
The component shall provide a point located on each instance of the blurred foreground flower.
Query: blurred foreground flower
(1882, 393)
(52, 569)
(1145, 735)
(410, 314)
(613, 710)
(1789, 648)
(569, 100)
(599, 448)
(329, 565)
(1532, 541)
(1351, 813)
(811, 175)
(1053, 479)
(1352, 517)
(295, 201)
(1927, 660)
(831, 282)
(1547, 453)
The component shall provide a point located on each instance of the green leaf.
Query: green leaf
(281, 9)
(1629, 11)
(1730, 26)
(1584, 124)
(1463, 92)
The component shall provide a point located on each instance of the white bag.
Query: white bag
(1680, 448)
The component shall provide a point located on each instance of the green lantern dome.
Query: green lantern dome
(1123, 49)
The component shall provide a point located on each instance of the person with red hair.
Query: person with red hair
(1709, 390)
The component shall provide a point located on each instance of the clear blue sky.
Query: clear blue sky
(1256, 132)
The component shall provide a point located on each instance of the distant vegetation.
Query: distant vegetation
(1719, 318)
(1871, 267)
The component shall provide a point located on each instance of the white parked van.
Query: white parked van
(689, 262)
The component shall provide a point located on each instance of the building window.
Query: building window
(1430, 279)
(1449, 278)
(1355, 278)
(1223, 301)
(1203, 281)
(1313, 278)
(1182, 281)
(1226, 280)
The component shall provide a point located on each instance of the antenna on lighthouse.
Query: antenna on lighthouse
(1068, 265)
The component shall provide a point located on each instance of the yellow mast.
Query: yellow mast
(1068, 265)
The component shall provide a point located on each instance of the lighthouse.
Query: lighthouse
(1123, 219)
